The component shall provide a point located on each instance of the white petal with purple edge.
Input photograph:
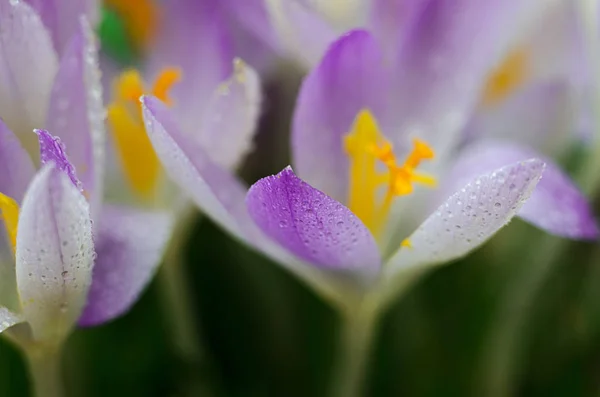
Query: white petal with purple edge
(76, 112)
(220, 195)
(129, 244)
(231, 117)
(54, 254)
(468, 218)
(556, 205)
(28, 64)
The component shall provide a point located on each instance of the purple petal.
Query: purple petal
(54, 254)
(53, 151)
(556, 205)
(444, 62)
(194, 37)
(76, 112)
(391, 21)
(16, 165)
(231, 117)
(129, 246)
(218, 193)
(301, 29)
(311, 224)
(469, 217)
(61, 17)
(28, 64)
(350, 78)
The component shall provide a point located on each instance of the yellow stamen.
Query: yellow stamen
(366, 147)
(406, 243)
(9, 212)
(140, 163)
(140, 17)
(507, 77)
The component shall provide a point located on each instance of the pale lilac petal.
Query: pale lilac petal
(53, 151)
(15, 163)
(391, 21)
(28, 64)
(219, 194)
(231, 117)
(442, 66)
(350, 78)
(538, 115)
(76, 112)
(194, 37)
(54, 255)
(301, 29)
(129, 245)
(556, 205)
(311, 224)
(469, 217)
(8, 319)
(61, 17)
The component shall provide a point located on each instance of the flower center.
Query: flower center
(140, 18)
(373, 165)
(506, 78)
(9, 212)
(141, 166)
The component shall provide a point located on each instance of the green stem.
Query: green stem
(44, 369)
(355, 346)
(508, 328)
(176, 294)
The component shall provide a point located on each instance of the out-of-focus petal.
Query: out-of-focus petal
(311, 224)
(218, 193)
(129, 245)
(392, 20)
(76, 112)
(556, 205)
(231, 117)
(443, 64)
(193, 36)
(303, 32)
(28, 64)
(350, 78)
(54, 255)
(469, 217)
(15, 165)
(8, 319)
(539, 115)
(61, 17)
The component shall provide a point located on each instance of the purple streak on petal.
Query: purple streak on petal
(469, 217)
(194, 37)
(556, 205)
(61, 17)
(129, 246)
(76, 112)
(15, 164)
(349, 78)
(311, 224)
(444, 62)
(52, 150)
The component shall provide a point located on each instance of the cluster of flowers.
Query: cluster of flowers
(473, 98)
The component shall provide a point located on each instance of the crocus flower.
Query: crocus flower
(46, 283)
(65, 96)
(345, 222)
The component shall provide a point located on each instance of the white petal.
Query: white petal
(8, 319)
(469, 217)
(54, 255)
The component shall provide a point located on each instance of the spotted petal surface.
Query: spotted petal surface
(54, 254)
(469, 217)
(311, 224)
